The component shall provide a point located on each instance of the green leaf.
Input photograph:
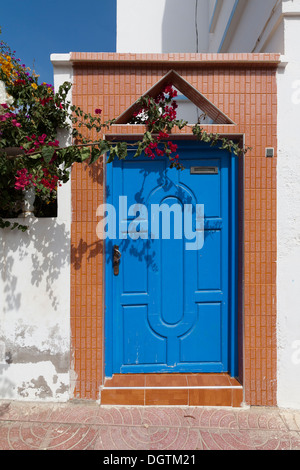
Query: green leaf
(34, 156)
(95, 154)
(111, 157)
(47, 153)
(122, 150)
(139, 150)
(112, 154)
(85, 153)
(104, 147)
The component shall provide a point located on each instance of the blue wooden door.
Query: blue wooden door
(171, 308)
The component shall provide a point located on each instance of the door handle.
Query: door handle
(116, 259)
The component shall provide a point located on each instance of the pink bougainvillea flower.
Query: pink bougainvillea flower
(54, 144)
(4, 117)
(152, 145)
(42, 138)
(23, 179)
(44, 101)
(170, 113)
(15, 123)
(162, 135)
(170, 91)
(98, 111)
(172, 147)
(149, 152)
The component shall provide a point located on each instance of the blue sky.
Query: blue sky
(36, 29)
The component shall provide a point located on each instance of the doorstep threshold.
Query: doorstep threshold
(172, 389)
(200, 387)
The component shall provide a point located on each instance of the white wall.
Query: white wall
(222, 12)
(251, 25)
(288, 184)
(161, 26)
(35, 303)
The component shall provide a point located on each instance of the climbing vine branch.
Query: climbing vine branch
(31, 114)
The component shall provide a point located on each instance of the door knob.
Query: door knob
(116, 259)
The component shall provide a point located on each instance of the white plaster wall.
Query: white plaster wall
(35, 303)
(251, 24)
(221, 23)
(288, 184)
(162, 26)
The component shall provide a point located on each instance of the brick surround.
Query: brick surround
(243, 86)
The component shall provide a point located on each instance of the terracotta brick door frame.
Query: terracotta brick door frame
(243, 86)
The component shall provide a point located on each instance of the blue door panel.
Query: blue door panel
(138, 180)
(208, 333)
(134, 260)
(169, 309)
(136, 324)
(172, 300)
(208, 256)
(212, 198)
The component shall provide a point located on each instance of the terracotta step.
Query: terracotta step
(172, 389)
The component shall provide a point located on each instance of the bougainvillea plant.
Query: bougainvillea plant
(31, 157)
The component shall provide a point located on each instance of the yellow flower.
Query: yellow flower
(6, 65)
(34, 85)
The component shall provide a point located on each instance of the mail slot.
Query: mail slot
(204, 170)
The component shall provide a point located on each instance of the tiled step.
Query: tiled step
(172, 389)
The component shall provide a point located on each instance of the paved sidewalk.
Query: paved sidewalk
(70, 426)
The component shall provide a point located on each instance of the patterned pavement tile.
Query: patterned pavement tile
(70, 437)
(25, 411)
(79, 426)
(147, 438)
(4, 445)
(260, 418)
(291, 419)
(122, 438)
(224, 440)
(72, 414)
(274, 440)
(22, 436)
(173, 439)
(176, 417)
(36, 436)
(248, 440)
(214, 418)
(121, 416)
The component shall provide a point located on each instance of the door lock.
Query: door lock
(116, 259)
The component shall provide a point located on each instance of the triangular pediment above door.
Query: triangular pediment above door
(189, 95)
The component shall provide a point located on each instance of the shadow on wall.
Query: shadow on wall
(34, 258)
(185, 26)
(6, 385)
(82, 251)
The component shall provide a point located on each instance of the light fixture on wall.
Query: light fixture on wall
(269, 152)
